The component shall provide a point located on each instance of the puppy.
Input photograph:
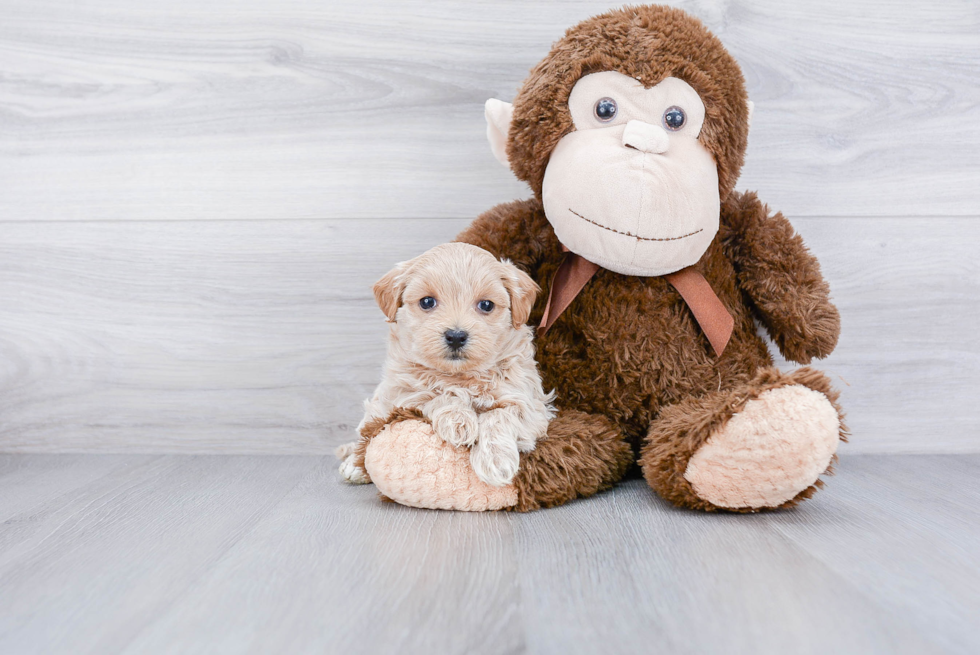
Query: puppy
(460, 353)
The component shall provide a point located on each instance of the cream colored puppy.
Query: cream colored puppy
(459, 352)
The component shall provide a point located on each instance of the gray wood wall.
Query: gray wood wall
(196, 196)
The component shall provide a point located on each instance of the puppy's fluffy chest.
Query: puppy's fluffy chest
(482, 389)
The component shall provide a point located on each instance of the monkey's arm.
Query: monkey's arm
(781, 278)
(517, 231)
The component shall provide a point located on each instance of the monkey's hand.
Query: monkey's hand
(781, 278)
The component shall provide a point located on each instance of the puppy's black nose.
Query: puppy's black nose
(455, 339)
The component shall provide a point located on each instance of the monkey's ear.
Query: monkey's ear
(499, 115)
(522, 291)
(388, 290)
(748, 120)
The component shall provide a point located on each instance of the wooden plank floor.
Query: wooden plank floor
(229, 554)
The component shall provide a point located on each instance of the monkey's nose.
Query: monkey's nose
(455, 339)
(645, 137)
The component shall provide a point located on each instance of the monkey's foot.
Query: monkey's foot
(411, 465)
(769, 452)
(760, 446)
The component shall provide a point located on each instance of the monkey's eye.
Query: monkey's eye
(674, 118)
(485, 306)
(427, 303)
(605, 109)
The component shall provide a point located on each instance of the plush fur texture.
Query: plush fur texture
(628, 348)
(636, 378)
(628, 345)
(440, 477)
(768, 452)
(647, 43)
(583, 454)
(484, 395)
(629, 194)
(683, 428)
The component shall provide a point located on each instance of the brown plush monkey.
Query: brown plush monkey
(631, 134)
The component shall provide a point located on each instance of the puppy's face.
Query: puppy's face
(455, 306)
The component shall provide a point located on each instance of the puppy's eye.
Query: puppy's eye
(427, 303)
(485, 306)
(674, 118)
(605, 109)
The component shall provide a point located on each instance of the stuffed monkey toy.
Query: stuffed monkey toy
(631, 134)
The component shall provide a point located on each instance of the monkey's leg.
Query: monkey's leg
(760, 445)
(583, 454)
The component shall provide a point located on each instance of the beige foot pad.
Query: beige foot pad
(411, 465)
(776, 447)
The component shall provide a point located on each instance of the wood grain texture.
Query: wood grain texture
(229, 109)
(372, 578)
(132, 542)
(697, 584)
(256, 336)
(219, 554)
(263, 336)
(899, 508)
(29, 482)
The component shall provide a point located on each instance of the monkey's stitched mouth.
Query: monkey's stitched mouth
(628, 234)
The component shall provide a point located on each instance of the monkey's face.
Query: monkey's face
(632, 189)
(631, 175)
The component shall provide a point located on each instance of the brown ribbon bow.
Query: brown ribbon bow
(576, 271)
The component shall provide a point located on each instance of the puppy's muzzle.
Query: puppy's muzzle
(455, 339)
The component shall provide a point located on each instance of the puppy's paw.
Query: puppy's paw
(495, 461)
(353, 473)
(504, 425)
(456, 425)
(345, 451)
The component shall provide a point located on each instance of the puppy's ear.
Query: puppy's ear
(522, 291)
(388, 290)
